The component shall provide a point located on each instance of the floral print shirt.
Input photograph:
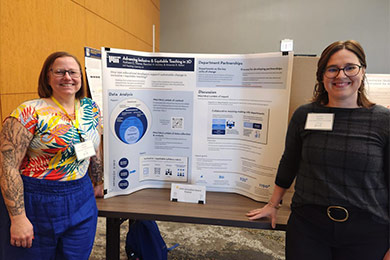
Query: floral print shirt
(51, 154)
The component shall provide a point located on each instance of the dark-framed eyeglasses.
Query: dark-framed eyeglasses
(59, 73)
(350, 70)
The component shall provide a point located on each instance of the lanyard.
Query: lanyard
(76, 113)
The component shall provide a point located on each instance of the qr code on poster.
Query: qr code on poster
(177, 123)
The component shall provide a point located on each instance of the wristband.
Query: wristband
(272, 205)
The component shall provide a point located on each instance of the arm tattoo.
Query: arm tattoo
(96, 169)
(14, 141)
(96, 165)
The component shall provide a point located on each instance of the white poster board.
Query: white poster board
(213, 120)
(93, 73)
(378, 89)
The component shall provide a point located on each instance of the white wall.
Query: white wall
(251, 26)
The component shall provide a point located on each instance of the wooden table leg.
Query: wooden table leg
(113, 238)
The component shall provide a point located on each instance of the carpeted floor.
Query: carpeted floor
(206, 242)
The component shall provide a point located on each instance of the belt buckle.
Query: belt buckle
(328, 211)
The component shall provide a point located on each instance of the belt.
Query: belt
(337, 213)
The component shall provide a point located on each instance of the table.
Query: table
(221, 208)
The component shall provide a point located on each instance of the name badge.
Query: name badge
(319, 121)
(84, 150)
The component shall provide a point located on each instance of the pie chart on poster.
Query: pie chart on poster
(130, 120)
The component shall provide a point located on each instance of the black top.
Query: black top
(347, 166)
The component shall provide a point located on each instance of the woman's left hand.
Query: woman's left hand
(98, 190)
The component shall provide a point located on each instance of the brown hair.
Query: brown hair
(320, 95)
(44, 88)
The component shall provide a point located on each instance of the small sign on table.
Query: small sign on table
(188, 193)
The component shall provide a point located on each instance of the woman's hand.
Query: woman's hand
(271, 208)
(98, 190)
(267, 211)
(21, 231)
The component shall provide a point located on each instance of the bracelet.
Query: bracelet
(272, 205)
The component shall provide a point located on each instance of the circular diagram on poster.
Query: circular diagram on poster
(130, 121)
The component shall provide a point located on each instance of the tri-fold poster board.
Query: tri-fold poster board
(205, 119)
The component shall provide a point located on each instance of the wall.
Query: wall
(32, 29)
(251, 26)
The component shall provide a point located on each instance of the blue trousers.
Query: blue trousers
(64, 218)
(311, 234)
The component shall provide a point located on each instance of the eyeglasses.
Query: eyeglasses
(59, 73)
(351, 70)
